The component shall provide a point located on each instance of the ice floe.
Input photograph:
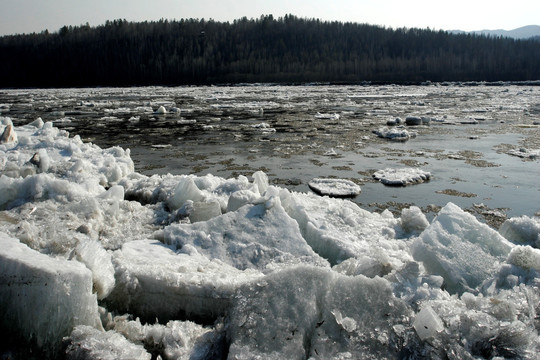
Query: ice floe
(525, 153)
(99, 261)
(401, 177)
(394, 133)
(327, 116)
(334, 187)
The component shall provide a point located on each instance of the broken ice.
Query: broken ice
(99, 261)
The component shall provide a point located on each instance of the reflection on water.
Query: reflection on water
(296, 133)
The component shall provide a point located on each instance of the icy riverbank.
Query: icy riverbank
(98, 261)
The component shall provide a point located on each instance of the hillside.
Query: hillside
(288, 49)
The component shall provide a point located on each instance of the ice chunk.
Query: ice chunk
(325, 116)
(86, 342)
(254, 236)
(240, 198)
(522, 230)
(427, 323)
(261, 180)
(302, 312)
(334, 187)
(42, 299)
(331, 152)
(265, 127)
(377, 264)
(394, 122)
(204, 211)
(413, 120)
(41, 160)
(525, 153)
(338, 229)
(5, 121)
(92, 254)
(394, 133)
(161, 110)
(37, 123)
(176, 339)
(152, 281)
(413, 220)
(115, 193)
(525, 257)
(489, 326)
(402, 177)
(461, 249)
(347, 323)
(185, 190)
(9, 135)
(37, 187)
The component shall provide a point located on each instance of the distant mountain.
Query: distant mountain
(524, 32)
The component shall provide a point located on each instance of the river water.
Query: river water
(297, 133)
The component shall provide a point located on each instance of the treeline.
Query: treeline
(288, 49)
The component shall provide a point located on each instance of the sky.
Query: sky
(27, 16)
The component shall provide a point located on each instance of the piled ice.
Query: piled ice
(101, 262)
(402, 177)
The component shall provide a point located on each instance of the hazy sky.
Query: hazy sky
(26, 16)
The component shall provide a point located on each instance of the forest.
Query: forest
(288, 49)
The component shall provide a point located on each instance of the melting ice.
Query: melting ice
(98, 261)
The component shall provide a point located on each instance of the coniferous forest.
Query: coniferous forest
(287, 50)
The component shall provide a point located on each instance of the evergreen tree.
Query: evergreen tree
(288, 49)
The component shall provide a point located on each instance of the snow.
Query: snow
(334, 187)
(402, 177)
(201, 267)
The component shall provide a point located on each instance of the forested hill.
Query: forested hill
(288, 49)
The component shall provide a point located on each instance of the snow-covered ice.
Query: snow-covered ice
(102, 262)
(334, 187)
(402, 177)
